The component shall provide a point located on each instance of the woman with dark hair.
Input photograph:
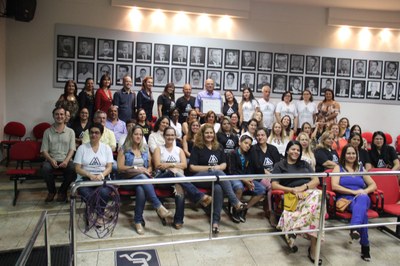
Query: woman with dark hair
(338, 142)
(287, 126)
(230, 105)
(226, 137)
(235, 123)
(192, 115)
(287, 107)
(344, 128)
(247, 106)
(188, 139)
(81, 124)
(325, 156)
(259, 116)
(328, 109)
(69, 99)
(320, 128)
(306, 109)
(103, 98)
(156, 138)
(306, 128)
(141, 121)
(357, 129)
(381, 154)
(86, 97)
(145, 98)
(355, 188)
(208, 158)
(307, 212)
(174, 122)
(166, 100)
(211, 118)
(251, 130)
(355, 140)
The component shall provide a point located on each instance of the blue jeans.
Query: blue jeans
(359, 207)
(87, 192)
(258, 188)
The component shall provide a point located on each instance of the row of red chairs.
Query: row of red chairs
(389, 140)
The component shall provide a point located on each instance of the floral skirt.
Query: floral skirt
(305, 217)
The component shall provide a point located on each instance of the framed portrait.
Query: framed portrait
(262, 80)
(86, 48)
(328, 66)
(247, 80)
(312, 64)
(312, 84)
(391, 69)
(342, 89)
(281, 62)
(125, 51)
(161, 53)
(160, 76)
(231, 80)
(375, 69)
(248, 60)
(296, 84)
(197, 56)
(179, 55)
(232, 58)
(140, 73)
(65, 70)
(214, 58)
(196, 78)
(326, 83)
(105, 50)
(389, 91)
(143, 52)
(121, 72)
(179, 77)
(265, 61)
(343, 67)
(374, 90)
(84, 71)
(65, 46)
(104, 68)
(280, 83)
(216, 76)
(357, 89)
(359, 68)
(297, 63)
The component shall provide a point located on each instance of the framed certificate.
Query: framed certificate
(211, 105)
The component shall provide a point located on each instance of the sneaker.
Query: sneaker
(365, 253)
(163, 212)
(235, 215)
(50, 197)
(242, 215)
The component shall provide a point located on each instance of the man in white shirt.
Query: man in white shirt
(267, 107)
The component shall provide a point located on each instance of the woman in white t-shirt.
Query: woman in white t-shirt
(287, 107)
(247, 107)
(306, 109)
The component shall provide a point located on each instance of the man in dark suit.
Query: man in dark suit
(143, 53)
(215, 58)
(373, 90)
(124, 53)
(329, 67)
(374, 70)
(197, 56)
(142, 75)
(231, 59)
(247, 82)
(179, 56)
(162, 54)
(248, 60)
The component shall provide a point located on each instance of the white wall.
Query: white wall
(2, 75)
(29, 46)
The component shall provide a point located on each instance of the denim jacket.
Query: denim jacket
(130, 156)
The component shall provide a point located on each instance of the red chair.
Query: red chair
(39, 130)
(15, 132)
(397, 144)
(389, 139)
(389, 185)
(368, 137)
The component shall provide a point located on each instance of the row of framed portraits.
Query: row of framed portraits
(71, 47)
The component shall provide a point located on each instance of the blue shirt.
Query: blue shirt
(207, 95)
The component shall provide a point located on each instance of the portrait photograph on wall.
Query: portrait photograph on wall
(143, 52)
(326, 83)
(196, 78)
(279, 83)
(343, 67)
(160, 76)
(357, 89)
(140, 73)
(312, 64)
(122, 71)
(215, 75)
(214, 57)
(65, 46)
(374, 90)
(65, 70)
(231, 80)
(248, 60)
(247, 80)
(312, 84)
(297, 63)
(359, 68)
(389, 90)
(328, 66)
(85, 70)
(178, 77)
(375, 69)
(161, 53)
(179, 55)
(342, 88)
(197, 56)
(262, 80)
(86, 48)
(103, 69)
(281, 62)
(391, 69)
(125, 51)
(296, 84)
(232, 58)
(265, 61)
(105, 50)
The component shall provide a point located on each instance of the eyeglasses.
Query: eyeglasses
(95, 132)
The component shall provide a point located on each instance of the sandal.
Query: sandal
(215, 230)
(311, 259)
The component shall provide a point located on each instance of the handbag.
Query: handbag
(342, 204)
(290, 201)
(164, 173)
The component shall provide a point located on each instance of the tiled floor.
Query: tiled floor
(17, 224)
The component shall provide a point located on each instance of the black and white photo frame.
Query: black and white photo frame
(247, 80)
(296, 63)
(179, 55)
(312, 84)
(391, 70)
(279, 83)
(160, 76)
(196, 78)
(265, 60)
(374, 90)
(122, 70)
(343, 67)
(197, 56)
(375, 69)
(125, 51)
(389, 90)
(103, 69)
(105, 49)
(179, 76)
(65, 70)
(342, 89)
(249, 60)
(296, 85)
(214, 58)
(216, 76)
(231, 80)
(328, 66)
(232, 57)
(312, 64)
(359, 68)
(84, 71)
(325, 84)
(357, 89)
(281, 63)
(141, 71)
(143, 52)
(161, 53)
(262, 80)
(65, 46)
(86, 48)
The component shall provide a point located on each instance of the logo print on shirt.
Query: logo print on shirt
(381, 164)
(213, 160)
(230, 144)
(95, 161)
(268, 162)
(171, 159)
(335, 158)
(230, 111)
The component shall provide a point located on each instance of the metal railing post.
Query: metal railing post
(321, 221)
(73, 229)
(212, 210)
(46, 240)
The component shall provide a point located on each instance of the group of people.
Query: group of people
(204, 136)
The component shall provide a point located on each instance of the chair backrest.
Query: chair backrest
(389, 139)
(367, 136)
(15, 129)
(24, 151)
(39, 129)
(398, 144)
(388, 184)
(328, 183)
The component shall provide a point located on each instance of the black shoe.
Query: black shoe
(215, 231)
(365, 253)
(50, 197)
(290, 240)
(235, 215)
(242, 215)
(61, 197)
(311, 259)
(354, 235)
